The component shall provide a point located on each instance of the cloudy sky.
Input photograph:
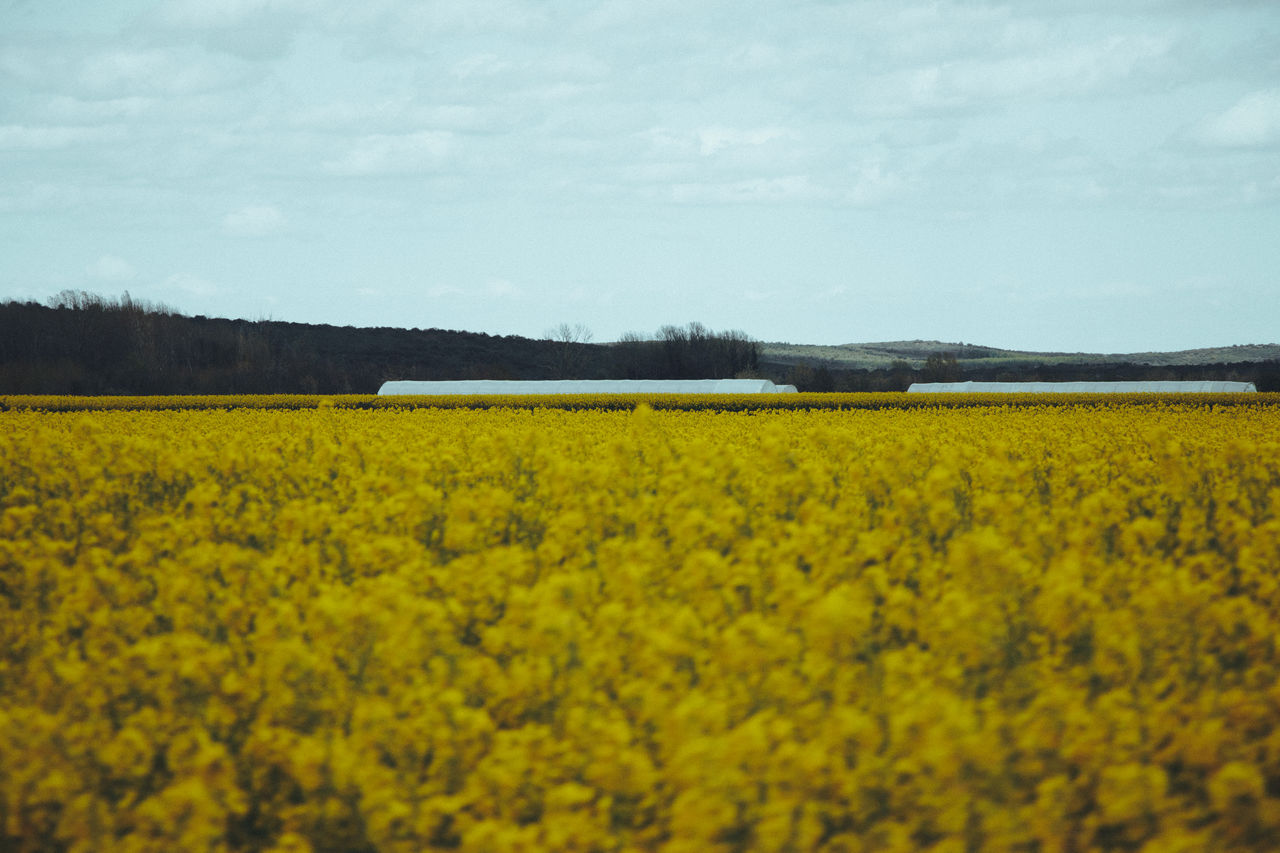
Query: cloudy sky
(1081, 175)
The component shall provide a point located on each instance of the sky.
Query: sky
(1066, 175)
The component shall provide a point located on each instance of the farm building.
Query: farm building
(588, 386)
(1166, 387)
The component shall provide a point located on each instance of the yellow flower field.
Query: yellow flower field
(349, 628)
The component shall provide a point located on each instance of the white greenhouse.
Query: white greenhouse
(1165, 387)
(588, 386)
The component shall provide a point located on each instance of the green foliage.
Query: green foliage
(941, 367)
(686, 352)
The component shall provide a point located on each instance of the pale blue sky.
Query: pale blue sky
(1081, 175)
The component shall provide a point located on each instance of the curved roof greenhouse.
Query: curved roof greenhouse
(588, 386)
(1158, 387)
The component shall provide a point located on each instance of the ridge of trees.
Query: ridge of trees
(84, 343)
(689, 352)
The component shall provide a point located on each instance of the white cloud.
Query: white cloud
(831, 293)
(51, 197)
(1070, 69)
(716, 151)
(480, 65)
(627, 14)
(111, 268)
(250, 29)
(789, 188)
(192, 285)
(1039, 69)
(393, 154)
(501, 287)
(124, 73)
(873, 184)
(255, 220)
(660, 172)
(64, 108)
(47, 137)
(473, 15)
(714, 139)
(581, 66)
(214, 14)
(388, 115)
(379, 27)
(758, 55)
(668, 141)
(1253, 122)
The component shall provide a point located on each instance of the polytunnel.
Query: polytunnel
(1136, 387)
(586, 386)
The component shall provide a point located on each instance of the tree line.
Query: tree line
(686, 352)
(85, 343)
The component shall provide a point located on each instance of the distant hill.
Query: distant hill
(894, 365)
(871, 356)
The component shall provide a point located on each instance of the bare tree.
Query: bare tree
(573, 340)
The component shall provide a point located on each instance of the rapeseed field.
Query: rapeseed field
(328, 625)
